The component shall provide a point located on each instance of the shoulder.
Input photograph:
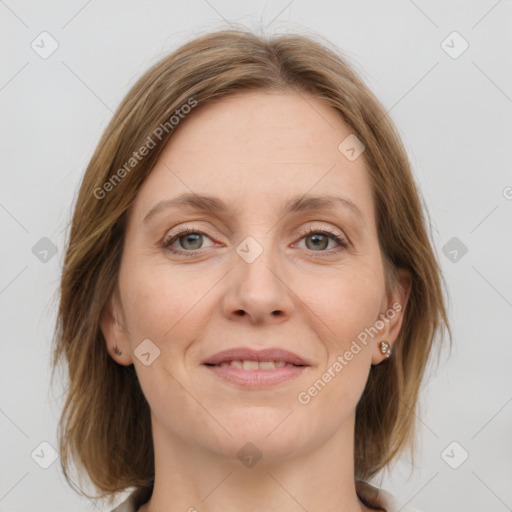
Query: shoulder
(379, 499)
(126, 506)
(136, 499)
(373, 497)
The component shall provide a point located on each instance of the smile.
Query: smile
(249, 368)
(256, 365)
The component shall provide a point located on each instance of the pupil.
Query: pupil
(317, 240)
(192, 236)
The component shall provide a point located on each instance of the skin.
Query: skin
(253, 150)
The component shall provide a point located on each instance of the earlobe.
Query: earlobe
(116, 340)
(385, 348)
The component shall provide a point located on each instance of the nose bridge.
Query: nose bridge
(257, 261)
(257, 286)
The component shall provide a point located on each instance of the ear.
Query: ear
(114, 332)
(392, 314)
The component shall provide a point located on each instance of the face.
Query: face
(253, 275)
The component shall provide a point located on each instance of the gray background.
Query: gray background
(454, 113)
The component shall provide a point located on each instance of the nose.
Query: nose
(258, 291)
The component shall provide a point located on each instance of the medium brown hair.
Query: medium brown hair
(105, 423)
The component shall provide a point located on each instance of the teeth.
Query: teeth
(250, 365)
(256, 365)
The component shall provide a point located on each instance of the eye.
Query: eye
(318, 239)
(190, 239)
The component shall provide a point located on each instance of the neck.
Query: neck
(192, 478)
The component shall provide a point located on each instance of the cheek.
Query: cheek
(351, 308)
(348, 306)
(159, 303)
(349, 303)
(166, 308)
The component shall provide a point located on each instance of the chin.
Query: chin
(275, 433)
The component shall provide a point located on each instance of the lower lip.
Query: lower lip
(256, 378)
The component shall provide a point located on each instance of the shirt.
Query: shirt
(370, 495)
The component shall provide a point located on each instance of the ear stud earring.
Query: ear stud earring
(385, 348)
(117, 351)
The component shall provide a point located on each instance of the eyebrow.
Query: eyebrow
(295, 204)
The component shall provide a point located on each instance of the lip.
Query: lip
(253, 379)
(256, 378)
(248, 354)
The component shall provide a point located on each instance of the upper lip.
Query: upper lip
(248, 354)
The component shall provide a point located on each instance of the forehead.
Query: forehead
(258, 148)
(287, 122)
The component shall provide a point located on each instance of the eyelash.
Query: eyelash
(166, 244)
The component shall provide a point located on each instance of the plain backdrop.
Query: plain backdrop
(442, 69)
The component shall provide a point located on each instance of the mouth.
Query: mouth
(255, 369)
(249, 364)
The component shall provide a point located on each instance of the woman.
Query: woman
(249, 297)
